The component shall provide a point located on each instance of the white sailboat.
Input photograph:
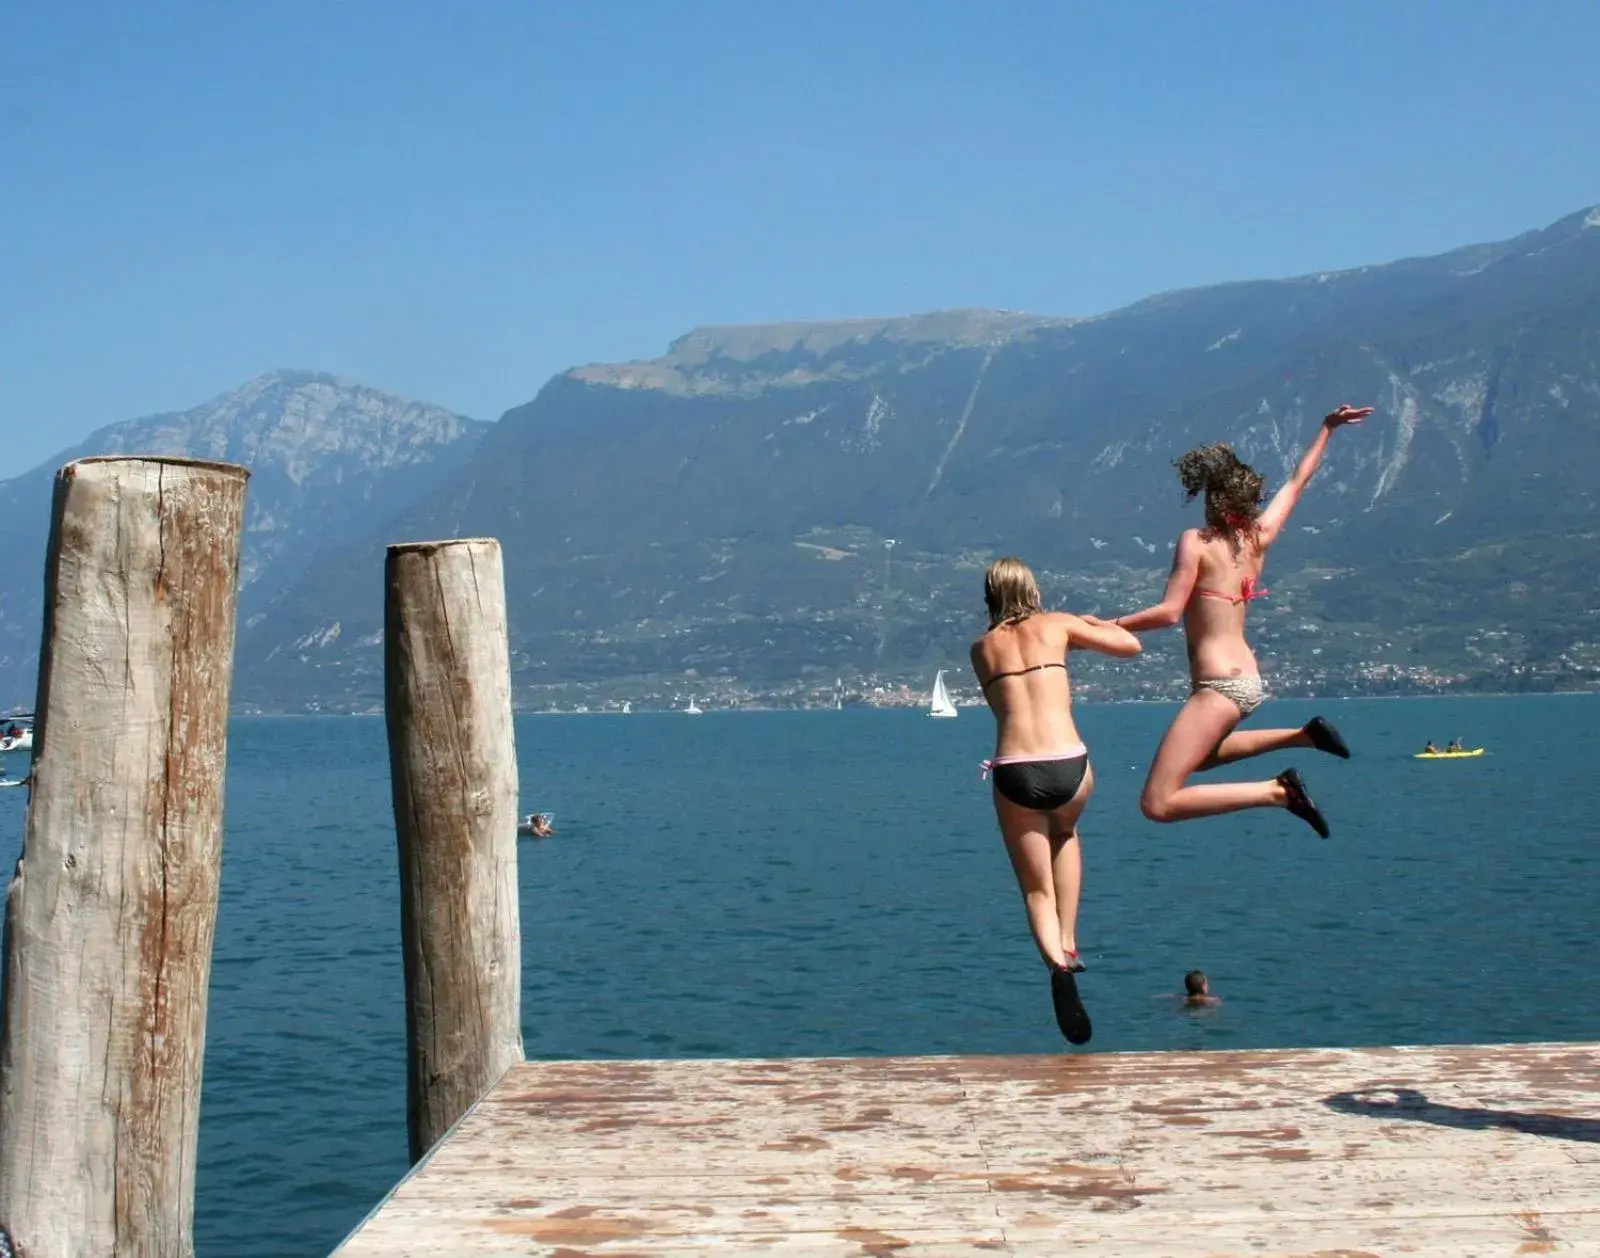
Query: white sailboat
(940, 704)
(694, 709)
(16, 733)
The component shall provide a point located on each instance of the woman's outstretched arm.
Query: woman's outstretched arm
(1093, 634)
(1180, 584)
(1272, 520)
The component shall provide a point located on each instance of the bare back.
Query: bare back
(1214, 617)
(1021, 665)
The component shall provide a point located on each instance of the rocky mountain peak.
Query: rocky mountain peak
(296, 422)
(331, 462)
(737, 357)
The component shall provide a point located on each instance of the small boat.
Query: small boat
(1466, 754)
(940, 704)
(694, 709)
(527, 830)
(16, 732)
(4, 783)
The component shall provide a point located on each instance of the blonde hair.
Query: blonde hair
(1010, 591)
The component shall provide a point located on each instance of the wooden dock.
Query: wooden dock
(1454, 1150)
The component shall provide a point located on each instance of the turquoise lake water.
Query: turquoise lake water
(827, 883)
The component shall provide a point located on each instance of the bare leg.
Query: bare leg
(1066, 868)
(1241, 744)
(1049, 875)
(1201, 726)
(1029, 849)
(1066, 861)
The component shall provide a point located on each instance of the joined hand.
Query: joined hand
(1347, 415)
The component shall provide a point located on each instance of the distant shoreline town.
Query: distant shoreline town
(730, 697)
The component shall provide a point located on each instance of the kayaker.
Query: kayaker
(1429, 749)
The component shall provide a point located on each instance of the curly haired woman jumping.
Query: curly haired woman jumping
(1215, 575)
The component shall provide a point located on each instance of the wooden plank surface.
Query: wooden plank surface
(1453, 1150)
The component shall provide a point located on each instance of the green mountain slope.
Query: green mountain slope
(718, 520)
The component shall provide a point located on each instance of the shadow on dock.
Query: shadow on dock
(1408, 1103)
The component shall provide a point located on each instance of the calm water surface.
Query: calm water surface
(821, 883)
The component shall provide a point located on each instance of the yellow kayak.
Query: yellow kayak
(1448, 755)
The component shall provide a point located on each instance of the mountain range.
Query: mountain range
(765, 509)
(330, 462)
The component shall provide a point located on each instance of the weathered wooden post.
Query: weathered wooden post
(111, 914)
(453, 769)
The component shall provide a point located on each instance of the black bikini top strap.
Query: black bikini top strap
(1034, 668)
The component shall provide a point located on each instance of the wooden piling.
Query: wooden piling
(112, 911)
(453, 771)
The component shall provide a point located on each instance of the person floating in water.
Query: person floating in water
(1042, 778)
(536, 825)
(1197, 990)
(1216, 574)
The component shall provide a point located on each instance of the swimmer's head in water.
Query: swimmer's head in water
(1010, 591)
(1231, 486)
(1194, 983)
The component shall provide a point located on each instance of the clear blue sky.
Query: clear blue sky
(456, 201)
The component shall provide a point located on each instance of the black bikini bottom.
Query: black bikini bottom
(1042, 785)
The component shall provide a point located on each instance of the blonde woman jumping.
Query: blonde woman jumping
(1042, 778)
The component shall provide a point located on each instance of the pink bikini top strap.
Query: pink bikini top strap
(1249, 591)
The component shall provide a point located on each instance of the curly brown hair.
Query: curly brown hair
(1232, 488)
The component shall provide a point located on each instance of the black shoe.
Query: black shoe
(1325, 738)
(1299, 802)
(1071, 1016)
